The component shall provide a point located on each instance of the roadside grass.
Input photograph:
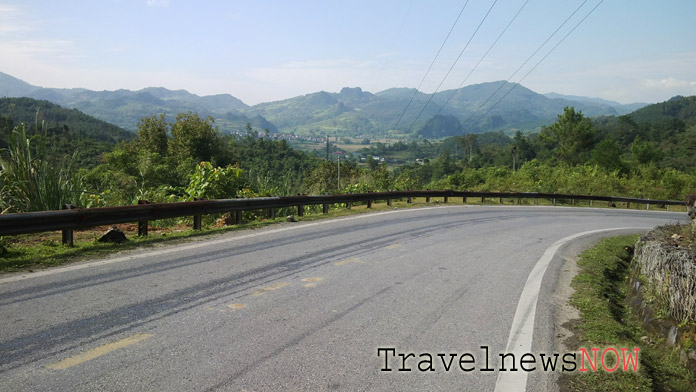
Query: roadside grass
(606, 320)
(28, 252)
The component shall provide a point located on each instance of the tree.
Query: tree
(569, 139)
(194, 137)
(607, 154)
(645, 151)
(372, 163)
(468, 142)
(522, 149)
(152, 132)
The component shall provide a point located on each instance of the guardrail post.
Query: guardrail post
(300, 210)
(238, 217)
(369, 204)
(427, 199)
(536, 201)
(519, 200)
(667, 207)
(572, 202)
(408, 200)
(445, 199)
(325, 208)
(628, 204)
(464, 199)
(348, 205)
(389, 202)
(271, 213)
(590, 202)
(142, 225)
(554, 201)
(500, 201)
(647, 206)
(483, 199)
(67, 234)
(197, 221)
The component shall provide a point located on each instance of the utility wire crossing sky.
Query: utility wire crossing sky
(260, 51)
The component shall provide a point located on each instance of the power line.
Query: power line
(455, 63)
(482, 58)
(431, 64)
(525, 62)
(540, 61)
(398, 34)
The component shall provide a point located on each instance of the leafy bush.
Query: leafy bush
(208, 182)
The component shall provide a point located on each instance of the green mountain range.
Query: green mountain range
(351, 112)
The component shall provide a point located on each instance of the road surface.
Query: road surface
(327, 305)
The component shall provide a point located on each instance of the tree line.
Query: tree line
(189, 158)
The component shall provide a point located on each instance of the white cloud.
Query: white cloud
(638, 80)
(668, 83)
(12, 20)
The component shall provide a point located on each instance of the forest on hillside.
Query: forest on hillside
(649, 153)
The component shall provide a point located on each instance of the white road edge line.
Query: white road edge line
(174, 249)
(522, 331)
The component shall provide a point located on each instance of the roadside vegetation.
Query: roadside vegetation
(187, 157)
(607, 320)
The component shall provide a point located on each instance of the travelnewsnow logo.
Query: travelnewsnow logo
(609, 359)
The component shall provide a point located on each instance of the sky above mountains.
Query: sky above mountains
(262, 51)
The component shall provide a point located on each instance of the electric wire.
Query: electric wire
(398, 34)
(454, 92)
(537, 64)
(542, 59)
(524, 63)
(431, 64)
(453, 64)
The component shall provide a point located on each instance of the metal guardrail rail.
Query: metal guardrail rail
(76, 218)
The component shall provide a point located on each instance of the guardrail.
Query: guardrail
(76, 218)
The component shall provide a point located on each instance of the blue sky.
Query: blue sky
(260, 51)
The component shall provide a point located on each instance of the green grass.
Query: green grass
(602, 288)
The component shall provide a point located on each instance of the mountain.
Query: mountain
(69, 130)
(13, 87)
(477, 108)
(125, 108)
(679, 108)
(400, 112)
(25, 110)
(620, 108)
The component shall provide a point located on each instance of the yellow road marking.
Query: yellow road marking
(236, 306)
(394, 246)
(347, 261)
(311, 282)
(272, 287)
(99, 351)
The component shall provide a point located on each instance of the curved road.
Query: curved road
(327, 305)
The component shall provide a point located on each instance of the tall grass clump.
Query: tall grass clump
(31, 179)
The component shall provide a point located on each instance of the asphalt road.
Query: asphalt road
(303, 306)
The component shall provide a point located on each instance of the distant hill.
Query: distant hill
(69, 129)
(358, 113)
(681, 108)
(125, 108)
(350, 112)
(620, 108)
